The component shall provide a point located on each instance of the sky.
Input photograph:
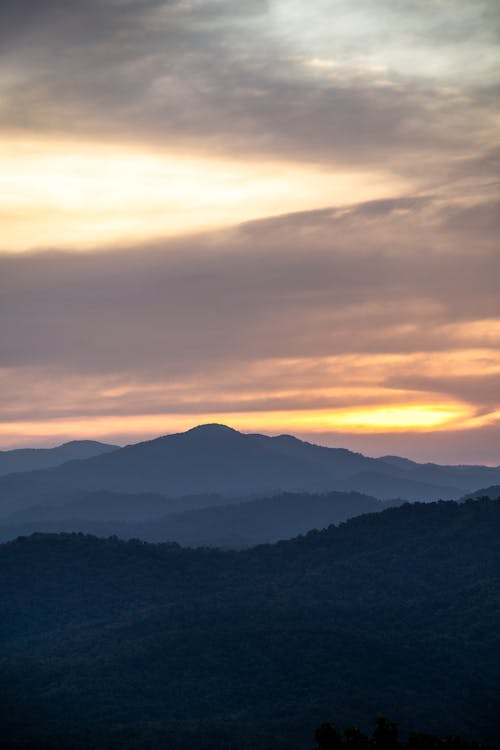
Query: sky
(282, 216)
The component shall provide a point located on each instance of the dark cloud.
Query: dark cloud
(220, 76)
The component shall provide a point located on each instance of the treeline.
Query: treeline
(385, 736)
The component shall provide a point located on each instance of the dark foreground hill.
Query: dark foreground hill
(217, 459)
(29, 459)
(106, 643)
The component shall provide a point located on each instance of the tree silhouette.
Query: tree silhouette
(385, 734)
(328, 737)
(385, 737)
(354, 739)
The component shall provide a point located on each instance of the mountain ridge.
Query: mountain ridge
(227, 525)
(214, 458)
(20, 460)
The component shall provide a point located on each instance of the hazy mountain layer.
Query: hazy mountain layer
(240, 524)
(217, 459)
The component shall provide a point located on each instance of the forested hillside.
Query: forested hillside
(128, 644)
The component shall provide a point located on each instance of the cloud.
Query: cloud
(234, 78)
(390, 301)
(380, 304)
(302, 284)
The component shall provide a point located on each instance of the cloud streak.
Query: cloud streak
(374, 270)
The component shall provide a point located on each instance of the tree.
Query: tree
(354, 739)
(385, 734)
(328, 737)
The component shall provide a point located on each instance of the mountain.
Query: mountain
(492, 492)
(239, 524)
(101, 506)
(29, 459)
(129, 645)
(217, 459)
(430, 473)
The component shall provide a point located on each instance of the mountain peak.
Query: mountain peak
(85, 444)
(213, 428)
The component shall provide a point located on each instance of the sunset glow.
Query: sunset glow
(381, 419)
(80, 194)
(281, 216)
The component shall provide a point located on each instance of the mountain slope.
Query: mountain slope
(395, 612)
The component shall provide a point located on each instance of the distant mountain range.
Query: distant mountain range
(214, 459)
(29, 459)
